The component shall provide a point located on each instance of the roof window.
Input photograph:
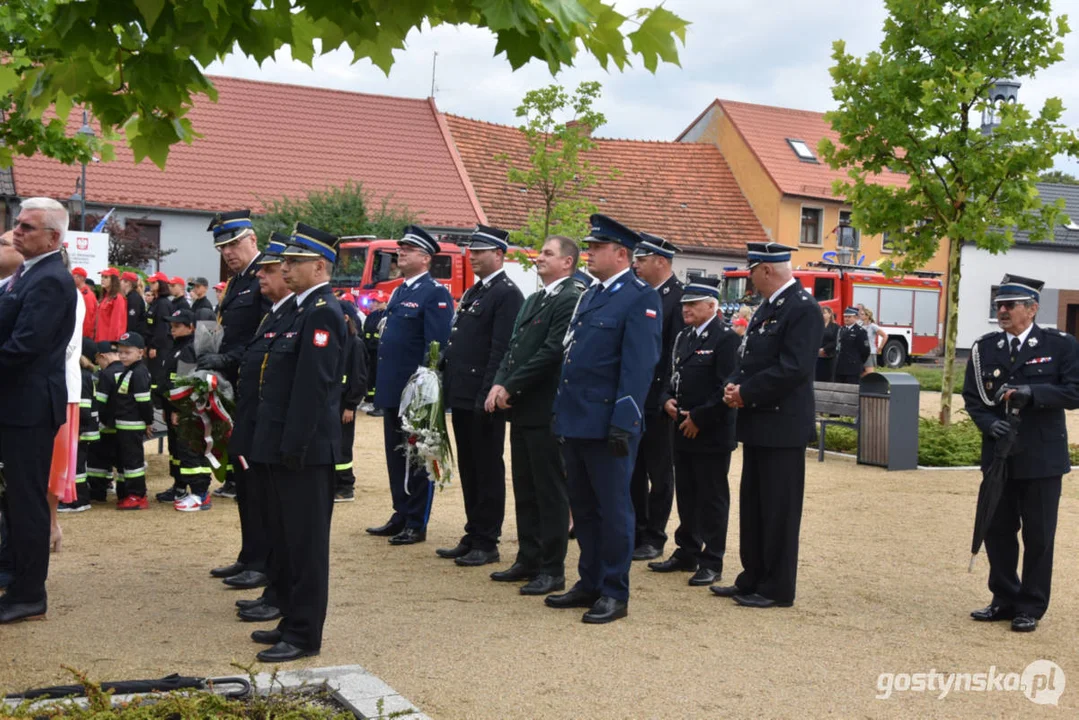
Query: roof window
(801, 149)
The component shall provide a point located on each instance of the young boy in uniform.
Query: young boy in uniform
(353, 389)
(101, 453)
(88, 430)
(132, 411)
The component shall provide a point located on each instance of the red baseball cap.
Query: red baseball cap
(158, 277)
(110, 272)
(78, 271)
(740, 322)
(348, 297)
(379, 296)
(130, 276)
(220, 286)
(177, 281)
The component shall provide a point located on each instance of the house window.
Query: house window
(887, 244)
(692, 274)
(811, 221)
(149, 234)
(824, 288)
(801, 149)
(846, 234)
(992, 301)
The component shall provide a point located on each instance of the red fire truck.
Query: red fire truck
(368, 264)
(907, 308)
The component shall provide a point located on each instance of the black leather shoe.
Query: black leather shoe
(704, 576)
(544, 585)
(409, 536)
(646, 552)
(1024, 623)
(606, 610)
(245, 604)
(727, 590)
(260, 613)
(992, 613)
(247, 580)
(460, 550)
(388, 530)
(267, 637)
(759, 601)
(575, 598)
(284, 652)
(17, 612)
(477, 557)
(514, 573)
(228, 570)
(673, 564)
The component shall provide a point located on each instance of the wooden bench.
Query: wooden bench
(835, 401)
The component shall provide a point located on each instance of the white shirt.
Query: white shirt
(412, 280)
(31, 262)
(303, 296)
(280, 302)
(550, 287)
(611, 280)
(1022, 336)
(701, 328)
(487, 280)
(779, 292)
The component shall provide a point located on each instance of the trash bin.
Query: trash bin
(888, 421)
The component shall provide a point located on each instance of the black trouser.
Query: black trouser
(100, 460)
(131, 460)
(82, 487)
(26, 454)
(825, 369)
(372, 372)
(346, 478)
(770, 516)
(848, 379)
(412, 491)
(192, 469)
(652, 485)
(704, 504)
(1031, 505)
(300, 506)
(254, 534)
(174, 460)
(539, 494)
(481, 438)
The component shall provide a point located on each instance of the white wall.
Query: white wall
(981, 270)
(711, 264)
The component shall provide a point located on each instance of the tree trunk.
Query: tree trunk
(951, 331)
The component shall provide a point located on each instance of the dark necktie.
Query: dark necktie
(18, 274)
(1015, 348)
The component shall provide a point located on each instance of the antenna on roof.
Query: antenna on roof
(434, 64)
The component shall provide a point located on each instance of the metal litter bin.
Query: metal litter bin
(888, 421)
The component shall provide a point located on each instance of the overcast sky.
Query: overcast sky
(775, 52)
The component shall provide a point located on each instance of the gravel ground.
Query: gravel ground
(883, 588)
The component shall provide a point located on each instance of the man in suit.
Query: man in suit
(297, 442)
(479, 337)
(652, 486)
(37, 318)
(852, 349)
(612, 348)
(773, 390)
(1031, 372)
(419, 313)
(704, 356)
(526, 384)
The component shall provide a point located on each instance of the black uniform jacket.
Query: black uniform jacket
(670, 296)
(776, 369)
(699, 368)
(530, 368)
(182, 350)
(240, 312)
(1049, 363)
(478, 339)
(136, 313)
(299, 412)
(852, 350)
(354, 380)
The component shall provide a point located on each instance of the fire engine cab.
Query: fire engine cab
(907, 308)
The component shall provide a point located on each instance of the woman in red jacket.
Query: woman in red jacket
(112, 311)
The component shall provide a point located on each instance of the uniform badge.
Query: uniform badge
(1039, 360)
(996, 373)
(441, 305)
(1000, 343)
(780, 302)
(650, 313)
(321, 339)
(988, 384)
(1032, 342)
(666, 290)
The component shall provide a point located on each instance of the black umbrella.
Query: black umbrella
(993, 485)
(130, 687)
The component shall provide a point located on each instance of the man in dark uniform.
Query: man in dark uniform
(478, 339)
(158, 340)
(526, 384)
(852, 349)
(652, 487)
(613, 344)
(198, 288)
(372, 330)
(419, 312)
(773, 389)
(239, 313)
(297, 442)
(704, 356)
(136, 306)
(1034, 372)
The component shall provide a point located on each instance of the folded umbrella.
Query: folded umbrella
(993, 485)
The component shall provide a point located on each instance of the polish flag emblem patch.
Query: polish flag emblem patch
(322, 338)
(442, 306)
(650, 313)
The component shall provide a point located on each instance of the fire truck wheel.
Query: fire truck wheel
(894, 353)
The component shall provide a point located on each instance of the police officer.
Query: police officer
(239, 313)
(297, 442)
(703, 358)
(419, 312)
(479, 337)
(852, 349)
(1033, 371)
(372, 324)
(612, 348)
(773, 389)
(526, 384)
(653, 474)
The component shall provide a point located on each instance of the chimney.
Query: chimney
(582, 127)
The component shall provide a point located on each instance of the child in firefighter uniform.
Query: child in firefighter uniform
(101, 453)
(131, 411)
(353, 389)
(88, 430)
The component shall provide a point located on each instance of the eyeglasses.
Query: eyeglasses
(26, 227)
(1011, 304)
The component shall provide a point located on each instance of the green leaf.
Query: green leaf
(62, 106)
(569, 14)
(654, 40)
(607, 41)
(151, 10)
(9, 78)
(507, 14)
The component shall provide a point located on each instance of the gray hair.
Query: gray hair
(56, 217)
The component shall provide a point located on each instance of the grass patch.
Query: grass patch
(956, 445)
(930, 377)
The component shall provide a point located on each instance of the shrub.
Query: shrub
(955, 445)
(931, 377)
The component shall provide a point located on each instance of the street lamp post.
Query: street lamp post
(78, 200)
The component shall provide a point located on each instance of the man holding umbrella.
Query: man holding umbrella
(1032, 374)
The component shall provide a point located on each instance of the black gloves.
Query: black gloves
(213, 361)
(1019, 399)
(618, 442)
(999, 429)
(292, 462)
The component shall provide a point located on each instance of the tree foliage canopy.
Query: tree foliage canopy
(137, 64)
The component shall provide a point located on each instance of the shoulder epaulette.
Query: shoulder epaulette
(987, 335)
(640, 283)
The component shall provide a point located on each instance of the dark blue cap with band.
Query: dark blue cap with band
(485, 237)
(654, 245)
(310, 242)
(416, 236)
(1014, 287)
(766, 252)
(607, 230)
(229, 226)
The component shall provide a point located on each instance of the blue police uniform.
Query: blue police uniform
(419, 312)
(612, 347)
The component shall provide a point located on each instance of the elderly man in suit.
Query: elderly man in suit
(37, 317)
